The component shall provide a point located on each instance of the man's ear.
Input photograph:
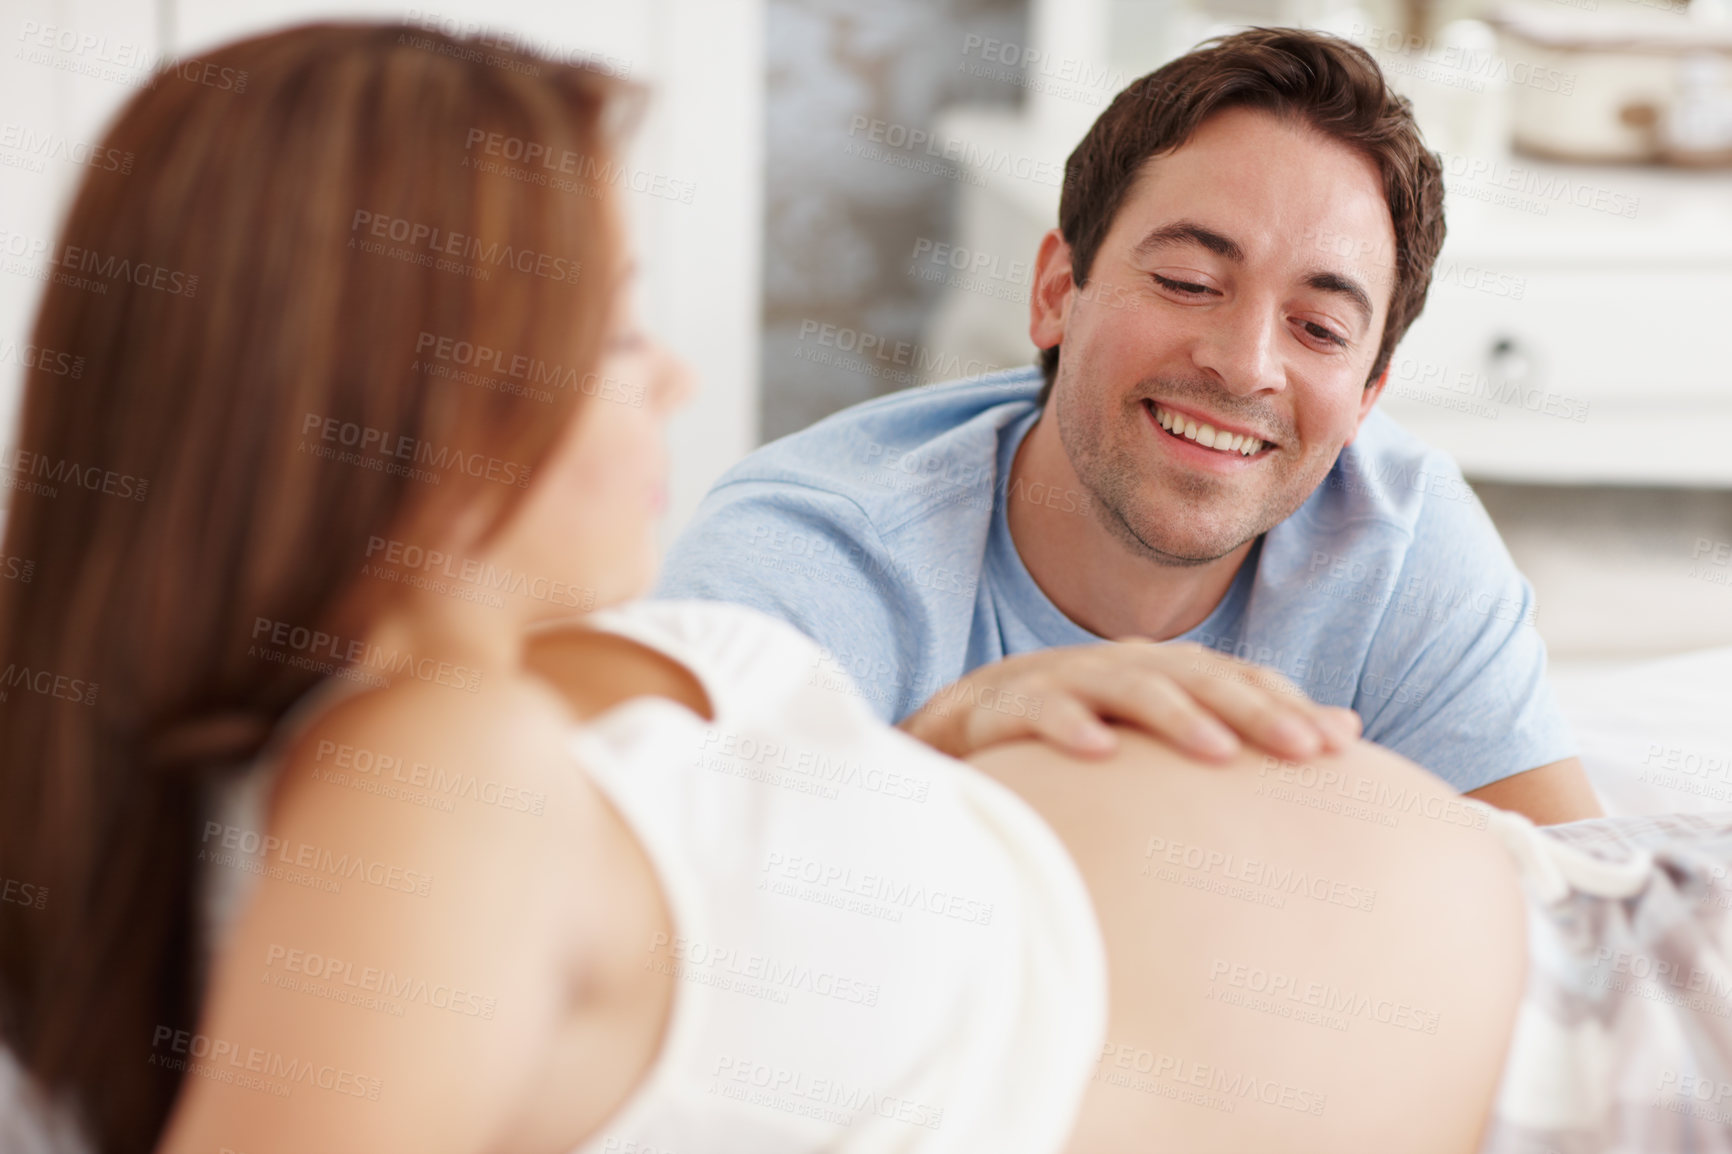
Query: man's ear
(1372, 392)
(1049, 302)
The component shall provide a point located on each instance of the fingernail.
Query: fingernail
(1297, 736)
(1095, 738)
(1217, 740)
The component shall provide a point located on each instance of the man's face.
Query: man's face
(1243, 287)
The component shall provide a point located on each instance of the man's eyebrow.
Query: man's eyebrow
(1182, 232)
(1331, 282)
(1189, 232)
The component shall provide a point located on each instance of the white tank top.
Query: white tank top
(877, 947)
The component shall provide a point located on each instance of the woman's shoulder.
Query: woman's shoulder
(439, 783)
(510, 724)
(418, 914)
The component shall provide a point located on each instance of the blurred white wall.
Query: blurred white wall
(69, 65)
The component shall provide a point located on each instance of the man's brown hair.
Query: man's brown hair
(1321, 80)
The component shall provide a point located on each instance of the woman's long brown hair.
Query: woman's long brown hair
(273, 309)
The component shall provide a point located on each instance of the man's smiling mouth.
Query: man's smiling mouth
(1204, 434)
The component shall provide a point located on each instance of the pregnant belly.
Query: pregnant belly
(1316, 958)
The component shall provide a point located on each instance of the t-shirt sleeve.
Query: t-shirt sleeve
(811, 558)
(1456, 676)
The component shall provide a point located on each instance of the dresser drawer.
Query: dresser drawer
(1558, 341)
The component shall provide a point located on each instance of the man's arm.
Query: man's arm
(1456, 671)
(1553, 793)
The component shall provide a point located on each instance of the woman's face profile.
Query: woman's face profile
(590, 519)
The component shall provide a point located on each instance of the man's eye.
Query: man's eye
(1179, 286)
(1324, 334)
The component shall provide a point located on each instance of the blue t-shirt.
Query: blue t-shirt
(881, 533)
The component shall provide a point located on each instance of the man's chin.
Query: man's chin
(1188, 523)
(1191, 554)
(1161, 544)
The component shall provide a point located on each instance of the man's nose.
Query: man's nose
(1240, 346)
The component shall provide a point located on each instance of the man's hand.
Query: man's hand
(1201, 701)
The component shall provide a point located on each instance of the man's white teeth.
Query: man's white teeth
(1207, 435)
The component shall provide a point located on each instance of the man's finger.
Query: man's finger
(1264, 718)
(1351, 724)
(1062, 720)
(1074, 725)
(1157, 703)
(1335, 728)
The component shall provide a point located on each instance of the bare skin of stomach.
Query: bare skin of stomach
(1321, 957)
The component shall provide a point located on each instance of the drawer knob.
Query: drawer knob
(1509, 360)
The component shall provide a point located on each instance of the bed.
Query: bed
(1656, 735)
